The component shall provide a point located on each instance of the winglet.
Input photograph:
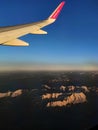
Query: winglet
(57, 11)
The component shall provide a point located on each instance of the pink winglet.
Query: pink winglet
(55, 14)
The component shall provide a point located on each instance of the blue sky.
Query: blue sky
(72, 39)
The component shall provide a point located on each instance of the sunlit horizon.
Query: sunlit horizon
(48, 67)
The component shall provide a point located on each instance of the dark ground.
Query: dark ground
(29, 112)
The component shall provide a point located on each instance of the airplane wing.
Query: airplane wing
(52, 17)
(33, 28)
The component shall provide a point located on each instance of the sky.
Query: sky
(71, 42)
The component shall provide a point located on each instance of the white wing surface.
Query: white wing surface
(9, 35)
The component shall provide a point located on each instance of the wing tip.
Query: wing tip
(57, 11)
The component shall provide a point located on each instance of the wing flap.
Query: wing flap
(39, 32)
(16, 42)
